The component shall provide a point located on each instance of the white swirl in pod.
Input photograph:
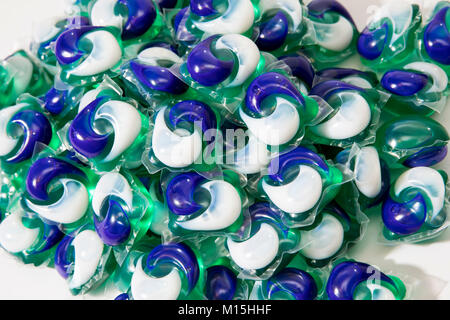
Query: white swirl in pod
(105, 54)
(256, 252)
(277, 128)
(126, 122)
(247, 54)
(292, 7)
(438, 76)
(253, 158)
(399, 13)
(368, 172)
(111, 184)
(102, 14)
(335, 36)
(222, 212)
(69, 208)
(88, 248)
(299, 195)
(7, 144)
(145, 287)
(22, 70)
(324, 240)
(14, 236)
(238, 18)
(175, 149)
(350, 120)
(429, 181)
(152, 55)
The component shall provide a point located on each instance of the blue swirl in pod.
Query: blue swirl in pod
(268, 240)
(62, 103)
(82, 135)
(416, 202)
(199, 204)
(351, 280)
(420, 84)
(404, 83)
(81, 55)
(134, 17)
(225, 17)
(282, 21)
(227, 60)
(106, 146)
(56, 207)
(153, 75)
(301, 68)
(275, 111)
(122, 296)
(388, 38)
(291, 282)
(220, 283)
(178, 136)
(43, 48)
(355, 77)
(335, 30)
(141, 15)
(204, 67)
(436, 36)
(426, 157)
(182, 33)
(303, 174)
(273, 33)
(116, 209)
(169, 272)
(55, 100)
(18, 145)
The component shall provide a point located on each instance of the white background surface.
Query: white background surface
(425, 265)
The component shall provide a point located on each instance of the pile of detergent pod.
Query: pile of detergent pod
(214, 149)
